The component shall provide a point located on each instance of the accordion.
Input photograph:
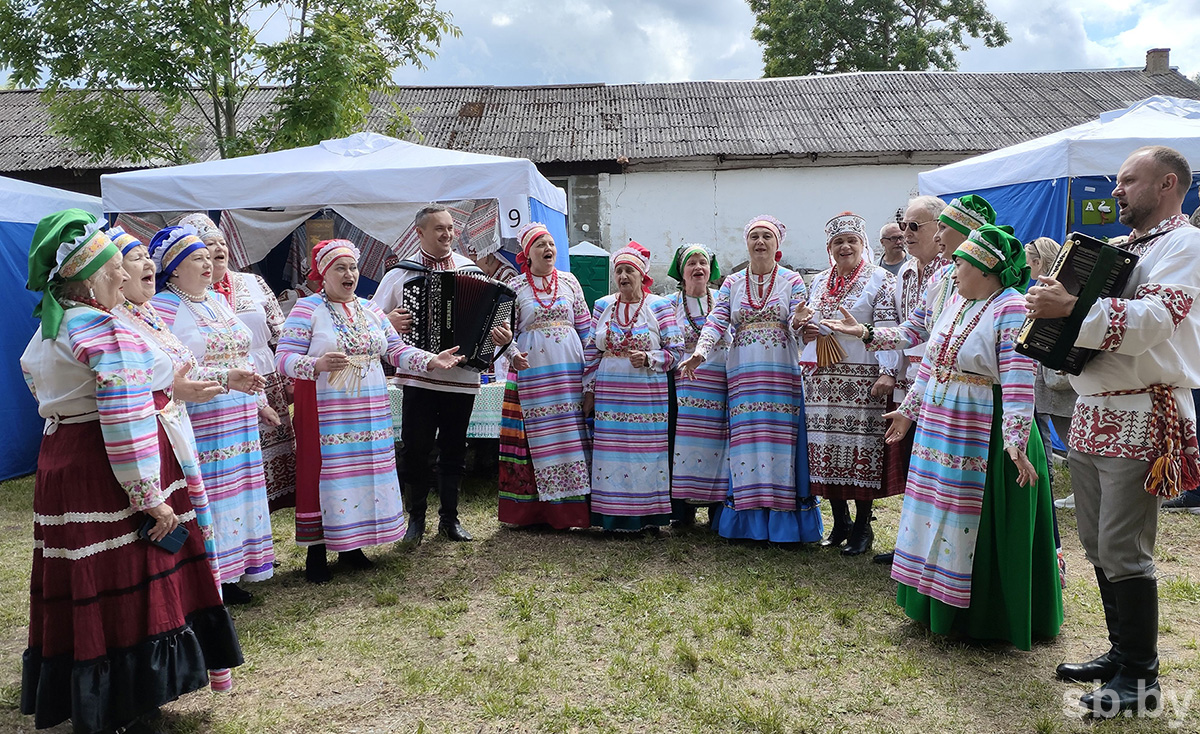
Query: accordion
(1089, 269)
(456, 308)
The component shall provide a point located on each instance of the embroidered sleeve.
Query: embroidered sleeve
(591, 353)
(124, 369)
(275, 317)
(799, 295)
(891, 361)
(909, 334)
(579, 308)
(716, 324)
(291, 354)
(1132, 326)
(1017, 374)
(403, 356)
(911, 407)
(670, 351)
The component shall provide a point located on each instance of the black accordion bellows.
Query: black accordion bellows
(1089, 269)
(456, 308)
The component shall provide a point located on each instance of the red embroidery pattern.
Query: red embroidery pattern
(1178, 302)
(1115, 333)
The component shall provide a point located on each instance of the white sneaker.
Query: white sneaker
(1066, 503)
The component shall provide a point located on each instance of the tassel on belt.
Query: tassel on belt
(1173, 470)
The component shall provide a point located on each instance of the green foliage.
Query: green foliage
(172, 80)
(829, 36)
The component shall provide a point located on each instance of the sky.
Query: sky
(524, 42)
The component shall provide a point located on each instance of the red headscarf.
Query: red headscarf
(639, 257)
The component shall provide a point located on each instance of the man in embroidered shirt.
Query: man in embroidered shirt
(1133, 435)
(437, 408)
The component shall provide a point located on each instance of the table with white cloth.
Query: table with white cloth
(485, 416)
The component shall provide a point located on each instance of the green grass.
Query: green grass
(582, 632)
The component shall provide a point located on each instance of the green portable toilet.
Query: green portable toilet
(589, 264)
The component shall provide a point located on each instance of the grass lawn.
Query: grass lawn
(578, 632)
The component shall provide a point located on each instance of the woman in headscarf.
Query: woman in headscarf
(700, 433)
(258, 309)
(635, 341)
(846, 387)
(544, 473)
(975, 553)
(117, 626)
(769, 497)
(347, 492)
(226, 428)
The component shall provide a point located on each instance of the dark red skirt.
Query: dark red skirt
(519, 503)
(117, 626)
(895, 460)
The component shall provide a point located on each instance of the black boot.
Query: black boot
(884, 559)
(415, 503)
(683, 514)
(355, 559)
(1102, 668)
(448, 523)
(861, 535)
(841, 523)
(316, 566)
(234, 594)
(1135, 686)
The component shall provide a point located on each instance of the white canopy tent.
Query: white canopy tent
(22, 205)
(375, 182)
(1030, 184)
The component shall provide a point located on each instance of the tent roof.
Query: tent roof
(587, 249)
(27, 203)
(1095, 148)
(365, 168)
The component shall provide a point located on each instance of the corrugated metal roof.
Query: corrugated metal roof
(860, 113)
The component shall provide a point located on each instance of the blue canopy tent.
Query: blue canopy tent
(21, 206)
(1063, 182)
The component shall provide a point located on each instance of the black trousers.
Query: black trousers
(434, 418)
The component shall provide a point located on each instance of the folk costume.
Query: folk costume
(545, 477)
(700, 431)
(1133, 443)
(975, 553)
(631, 465)
(347, 492)
(257, 308)
(769, 497)
(226, 427)
(117, 626)
(844, 420)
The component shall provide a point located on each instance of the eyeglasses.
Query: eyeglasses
(913, 226)
(893, 238)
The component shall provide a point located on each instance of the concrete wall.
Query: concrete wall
(664, 209)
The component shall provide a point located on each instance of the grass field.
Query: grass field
(580, 632)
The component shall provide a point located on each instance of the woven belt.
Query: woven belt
(1173, 470)
(971, 379)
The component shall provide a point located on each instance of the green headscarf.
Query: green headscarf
(967, 213)
(995, 250)
(686, 251)
(60, 253)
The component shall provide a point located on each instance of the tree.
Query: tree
(173, 79)
(828, 36)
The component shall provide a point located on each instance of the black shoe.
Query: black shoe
(416, 530)
(316, 566)
(454, 531)
(1135, 686)
(841, 524)
(234, 594)
(884, 559)
(355, 559)
(861, 538)
(1105, 667)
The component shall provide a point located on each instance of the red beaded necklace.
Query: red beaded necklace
(625, 328)
(551, 289)
(764, 295)
(837, 287)
(947, 357)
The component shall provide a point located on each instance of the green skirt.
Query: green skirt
(1015, 590)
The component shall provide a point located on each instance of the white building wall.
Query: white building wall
(664, 209)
